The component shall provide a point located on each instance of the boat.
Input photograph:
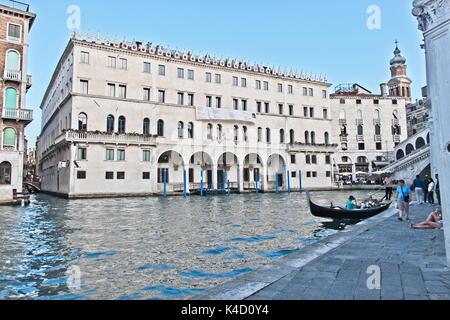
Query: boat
(337, 213)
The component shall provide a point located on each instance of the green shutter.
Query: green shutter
(9, 137)
(11, 98)
(13, 63)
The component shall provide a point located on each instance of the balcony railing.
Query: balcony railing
(104, 137)
(378, 138)
(397, 139)
(342, 122)
(376, 122)
(13, 75)
(344, 139)
(18, 114)
(395, 122)
(360, 138)
(300, 147)
(359, 122)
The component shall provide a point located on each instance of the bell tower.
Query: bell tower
(400, 84)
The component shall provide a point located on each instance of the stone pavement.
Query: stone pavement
(412, 264)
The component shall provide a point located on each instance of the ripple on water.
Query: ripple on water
(202, 274)
(218, 250)
(278, 254)
(173, 292)
(152, 266)
(96, 255)
(253, 239)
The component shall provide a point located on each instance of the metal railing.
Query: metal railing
(101, 137)
(378, 138)
(20, 5)
(18, 114)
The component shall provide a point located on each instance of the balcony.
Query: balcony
(301, 147)
(395, 122)
(18, 114)
(104, 137)
(342, 122)
(359, 122)
(377, 122)
(13, 75)
(29, 81)
(214, 114)
(344, 139)
(397, 138)
(360, 138)
(378, 138)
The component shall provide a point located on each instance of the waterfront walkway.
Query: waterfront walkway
(412, 264)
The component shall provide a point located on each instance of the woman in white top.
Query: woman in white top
(431, 188)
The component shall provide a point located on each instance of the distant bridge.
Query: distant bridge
(412, 158)
(33, 186)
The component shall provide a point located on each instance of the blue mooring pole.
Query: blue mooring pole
(224, 180)
(185, 183)
(228, 186)
(301, 181)
(201, 184)
(289, 181)
(276, 183)
(165, 183)
(257, 183)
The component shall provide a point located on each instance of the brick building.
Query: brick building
(15, 25)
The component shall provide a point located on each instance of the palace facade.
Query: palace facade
(15, 25)
(122, 118)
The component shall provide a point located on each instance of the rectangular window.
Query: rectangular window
(314, 174)
(109, 175)
(327, 159)
(218, 78)
(111, 90)
(293, 159)
(120, 175)
(305, 91)
(145, 175)
(314, 159)
(14, 32)
(180, 73)
(394, 102)
(235, 81)
(208, 77)
(342, 101)
(122, 91)
(147, 67)
(328, 174)
(358, 101)
(308, 174)
(294, 174)
(280, 87)
(379, 146)
(267, 107)
(244, 105)
(146, 155)
(308, 159)
(123, 64)
(190, 101)
(111, 62)
(161, 96)
(208, 101)
(244, 83)
(311, 112)
(291, 110)
(376, 101)
(180, 99)
(162, 70)
(311, 92)
(290, 89)
(281, 109)
(146, 94)
(84, 57)
(120, 155)
(258, 84)
(82, 154)
(81, 175)
(236, 104)
(109, 154)
(325, 113)
(266, 86)
(305, 112)
(324, 94)
(361, 146)
(218, 102)
(190, 74)
(258, 107)
(84, 86)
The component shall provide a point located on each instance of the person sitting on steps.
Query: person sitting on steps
(434, 221)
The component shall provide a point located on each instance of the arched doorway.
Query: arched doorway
(276, 171)
(228, 171)
(5, 173)
(253, 171)
(200, 162)
(171, 166)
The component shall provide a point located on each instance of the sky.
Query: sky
(320, 36)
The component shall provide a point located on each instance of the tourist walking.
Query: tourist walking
(403, 200)
(389, 184)
(418, 186)
(431, 189)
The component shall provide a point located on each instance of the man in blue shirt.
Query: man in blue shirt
(403, 200)
(419, 186)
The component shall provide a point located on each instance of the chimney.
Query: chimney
(384, 89)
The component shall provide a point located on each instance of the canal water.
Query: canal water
(149, 248)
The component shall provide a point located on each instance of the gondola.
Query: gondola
(336, 213)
